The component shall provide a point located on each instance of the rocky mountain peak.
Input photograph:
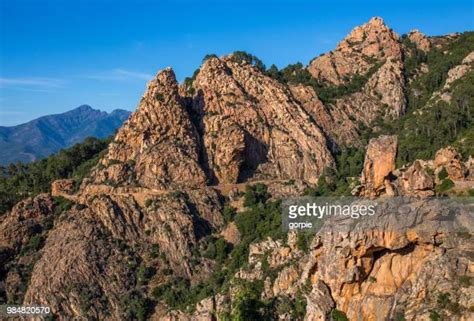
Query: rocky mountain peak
(421, 41)
(253, 126)
(373, 39)
(364, 46)
(158, 147)
(370, 57)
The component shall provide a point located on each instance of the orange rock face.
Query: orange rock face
(379, 163)
(252, 126)
(62, 186)
(450, 159)
(366, 44)
(421, 41)
(416, 181)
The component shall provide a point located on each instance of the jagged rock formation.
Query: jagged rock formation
(386, 268)
(379, 176)
(62, 186)
(374, 52)
(355, 55)
(245, 125)
(379, 163)
(23, 221)
(336, 123)
(421, 41)
(155, 201)
(454, 74)
(252, 126)
(158, 147)
(416, 181)
(451, 160)
(396, 263)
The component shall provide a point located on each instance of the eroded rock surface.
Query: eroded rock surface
(373, 41)
(379, 163)
(252, 126)
(421, 41)
(155, 200)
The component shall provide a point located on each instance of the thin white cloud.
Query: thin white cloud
(36, 82)
(132, 74)
(119, 74)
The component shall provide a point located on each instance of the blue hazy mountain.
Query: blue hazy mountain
(48, 134)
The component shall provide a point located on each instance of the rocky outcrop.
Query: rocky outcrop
(252, 126)
(449, 159)
(381, 97)
(62, 187)
(335, 122)
(355, 55)
(24, 221)
(240, 124)
(319, 302)
(459, 71)
(373, 53)
(158, 147)
(454, 74)
(420, 40)
(93, 246)
(146, 216)
(379, 176)
(379, 163)
(74, 274)
(385, 258)
(416, 181)
(397, 263)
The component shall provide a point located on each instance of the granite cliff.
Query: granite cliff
(180, 219)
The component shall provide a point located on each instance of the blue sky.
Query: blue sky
(58, 54)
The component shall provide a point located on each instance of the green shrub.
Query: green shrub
(247, 305)
(159, 97)
(303, 240)
(445, 185)
(443, 174)
(148, 202)
(338, 315)
(465, 281)
(372, 279)
(136, 306)
(241, 56)
(34, 244)
(435, 316)
(255, 195)
(443, 300)
(298, 74)
(144, 274)
(400, 316)
(228, 213)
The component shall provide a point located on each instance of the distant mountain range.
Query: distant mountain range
(46, 135)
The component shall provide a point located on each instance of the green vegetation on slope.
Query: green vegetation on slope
(349, 163)
(298, 74)
(261, 220)
(430, 125)
(439, 62)
(18, 181)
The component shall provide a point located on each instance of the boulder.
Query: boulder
(62, 187)
(450, 159)
(416, 181)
